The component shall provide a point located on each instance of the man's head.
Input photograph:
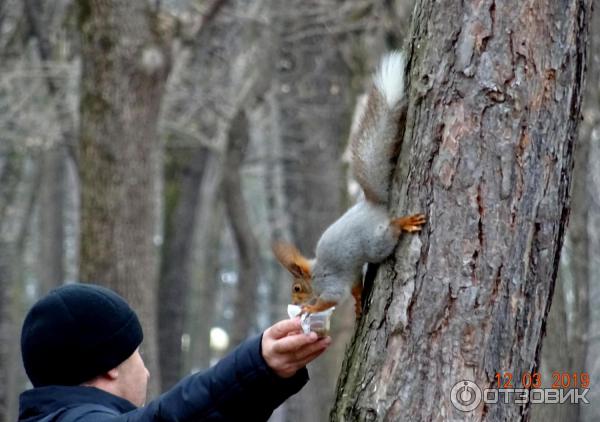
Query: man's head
(84, 334)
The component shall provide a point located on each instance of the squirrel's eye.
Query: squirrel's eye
(297, 288)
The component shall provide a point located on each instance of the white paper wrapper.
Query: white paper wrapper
(293, 310)
(318, 322)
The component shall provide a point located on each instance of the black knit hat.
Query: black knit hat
(77, 332)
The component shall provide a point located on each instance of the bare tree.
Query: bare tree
(52, 45)
(210, 86)
(24, 129)
(125, 62)
(10, 176)
(206, 272)
(19, 178)
(555, 353)
(184, 173)
(312, 107)
(494, 102)
(591, 134)
(188, 124)
(244, 321)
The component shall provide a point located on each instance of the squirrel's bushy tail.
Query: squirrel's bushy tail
(375, 143)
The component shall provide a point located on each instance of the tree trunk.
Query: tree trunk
(6, 326)
(124, 67)
(590, 134)
(265, 123)
(566, 342)
(50, 264)
(313, 111)
(184, 173)
(10, 176)
(591, 413)
(495, 94)
(17, 201)
(211, 91)
(248, 256)
(580, 255)
(205, 290)
(555, 353)
(45, 24)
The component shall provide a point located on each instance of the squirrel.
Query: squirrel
(365, 233)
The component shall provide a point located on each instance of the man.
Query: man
(80, 348)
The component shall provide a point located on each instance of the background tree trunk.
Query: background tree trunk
(44, 22)
(590, 134)
(125, 65)
(51, 268)
(313, 108)
(190, 124)
(203, 309)
(557, 357)
(579, 252)
(184, 173)
(10, 177)
(248, 256)
(19, 180)
(495, 94)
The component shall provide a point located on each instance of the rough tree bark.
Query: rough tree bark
(125, 62)
(565, 346)
(495, 94)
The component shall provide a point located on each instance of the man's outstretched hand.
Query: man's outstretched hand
(286, 348)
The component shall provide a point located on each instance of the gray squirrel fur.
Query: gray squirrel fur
(365, 233)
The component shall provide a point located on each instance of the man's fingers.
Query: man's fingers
(283, 328)
(292, 344)
(293, 333)
(313, 348)
(296, 360)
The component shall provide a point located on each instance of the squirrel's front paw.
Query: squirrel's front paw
(304, 311)
(317, 307)
(411, 223)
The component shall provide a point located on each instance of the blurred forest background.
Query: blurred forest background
(223, 126)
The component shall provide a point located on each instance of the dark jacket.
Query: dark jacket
(240, 387)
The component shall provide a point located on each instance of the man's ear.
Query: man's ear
(292, 259)
(112, 374)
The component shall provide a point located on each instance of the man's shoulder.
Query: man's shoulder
(87, 411)
(70, 403)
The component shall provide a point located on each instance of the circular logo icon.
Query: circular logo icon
(465, 395)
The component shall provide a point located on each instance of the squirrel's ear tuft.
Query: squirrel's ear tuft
(291, 258)
(300, 270)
